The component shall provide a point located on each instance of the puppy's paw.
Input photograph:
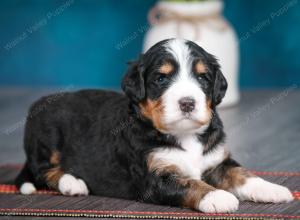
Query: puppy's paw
(27, 188)
(219, 201)
(71, 186)
(259, 190)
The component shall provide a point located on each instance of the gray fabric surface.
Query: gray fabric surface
(112, 207)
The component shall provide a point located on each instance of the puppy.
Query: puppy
(162, 142)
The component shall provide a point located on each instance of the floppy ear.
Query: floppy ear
(220, 85)
(133, 82)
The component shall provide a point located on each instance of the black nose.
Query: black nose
(187, 104)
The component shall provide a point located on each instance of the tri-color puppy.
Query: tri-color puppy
(162, 142)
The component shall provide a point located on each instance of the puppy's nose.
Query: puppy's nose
(187, 104)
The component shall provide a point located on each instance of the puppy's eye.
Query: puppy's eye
(201, 76)
(161, 79)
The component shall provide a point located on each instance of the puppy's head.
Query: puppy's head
(176, 84)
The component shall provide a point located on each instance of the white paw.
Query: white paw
(71, 186)
(219, 201)
(27, 188)
(259, 190)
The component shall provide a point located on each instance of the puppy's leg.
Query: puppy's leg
(66, 183)
(230, 176)
(72, 186)
(24, 181)
(171, 188)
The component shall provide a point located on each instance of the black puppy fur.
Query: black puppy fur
(104, 137)
(79, 125)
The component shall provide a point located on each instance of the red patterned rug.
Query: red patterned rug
(47, 203)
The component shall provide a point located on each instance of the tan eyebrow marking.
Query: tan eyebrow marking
(200, 67)
(166, 68)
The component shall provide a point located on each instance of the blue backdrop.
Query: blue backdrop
(87, 43)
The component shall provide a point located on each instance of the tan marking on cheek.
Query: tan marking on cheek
(154, 111)
(200, 67)
(166, 68)
(208, 104)
(208, 114)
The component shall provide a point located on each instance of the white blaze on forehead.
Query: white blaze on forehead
(181, 53)
(183, 85)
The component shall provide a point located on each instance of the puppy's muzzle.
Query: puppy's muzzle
(187, 104)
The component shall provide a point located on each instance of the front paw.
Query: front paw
(259, 190)
(218, 201)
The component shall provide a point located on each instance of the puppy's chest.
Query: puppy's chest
(190, 159)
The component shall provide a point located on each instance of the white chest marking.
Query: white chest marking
(190, 159)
